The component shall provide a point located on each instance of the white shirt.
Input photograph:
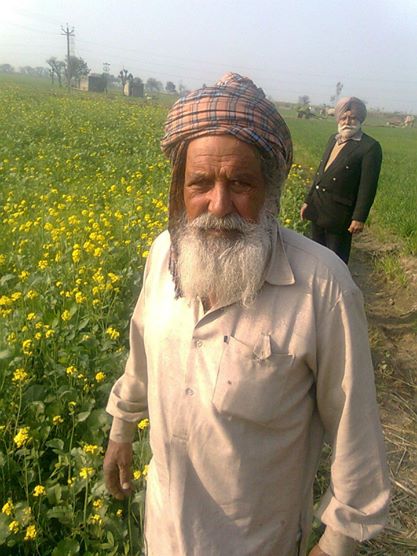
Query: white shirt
(239, 401)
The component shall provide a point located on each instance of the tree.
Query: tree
(334, 98)
(183, 90)
(57, 69)
(6, 68)
(75, 68)
(170, 87)
(305, 99)
(125, 76)
(153, 85)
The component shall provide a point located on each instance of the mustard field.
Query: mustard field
(83, 189)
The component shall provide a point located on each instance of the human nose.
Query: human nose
(220, 203)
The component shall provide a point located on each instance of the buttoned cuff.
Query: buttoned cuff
(122, 431)
(334, 543)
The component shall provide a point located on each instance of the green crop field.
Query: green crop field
(83, 193)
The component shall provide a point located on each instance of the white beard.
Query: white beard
(224, 267)
(347, 131)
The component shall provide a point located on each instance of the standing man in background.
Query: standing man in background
(345, 184)
(248, 346)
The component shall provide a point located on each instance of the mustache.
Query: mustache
(228, 223)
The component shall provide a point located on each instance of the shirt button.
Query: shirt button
(334, 179)
(324, 189)
(317, 187)
(347, 167)
(198, 343)
(189, 392)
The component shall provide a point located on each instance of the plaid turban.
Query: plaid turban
(350, 103)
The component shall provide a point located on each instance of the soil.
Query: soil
(392, 316)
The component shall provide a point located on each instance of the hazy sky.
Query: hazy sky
(289, 48)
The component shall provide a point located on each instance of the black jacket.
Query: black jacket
(346, 190)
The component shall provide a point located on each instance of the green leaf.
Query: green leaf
(83, 416)
(99, 418)
(62, 513)
(35, 392)
(6, 278)
(5, 354)
(66, 547)
(56, 444)
(54, 494)
(4, 529)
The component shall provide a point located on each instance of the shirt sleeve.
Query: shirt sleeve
(370, 169)
(356, 501)
(128, 398)
(336, 544)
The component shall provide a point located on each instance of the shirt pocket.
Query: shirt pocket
(250, 387)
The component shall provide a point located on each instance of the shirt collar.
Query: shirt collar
(278, 270)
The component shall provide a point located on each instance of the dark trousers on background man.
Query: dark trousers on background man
(339, 243)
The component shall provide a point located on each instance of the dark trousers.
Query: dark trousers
(339, 243)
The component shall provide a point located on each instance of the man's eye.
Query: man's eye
(240, 184)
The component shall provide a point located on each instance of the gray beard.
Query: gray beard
(346, 132)
(227, 267)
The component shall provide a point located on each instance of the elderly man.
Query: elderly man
(344, 187)
(248, 346)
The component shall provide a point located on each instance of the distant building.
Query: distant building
(95, 83)
(134, 88)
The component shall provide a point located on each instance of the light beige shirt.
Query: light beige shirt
(240, 400)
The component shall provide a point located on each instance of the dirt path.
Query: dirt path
(392, 317)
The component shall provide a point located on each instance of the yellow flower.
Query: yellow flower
(4, 300)
(20, 375)
(145, 470)
(30, 533)
(98, 503)
(39, 490)
(49, 333)
(65, 316)
(96, 519)
(113, 333)
(145, 254)
(14, 526)
(8, 508)
(137, 474)
(119, 513)
(100, 376)
(43, 264)
(80, 297)
(113, 277)
(27, 347)
(86, 472)
(91, 449)
(71, 370)
(31, 316)
(57, 420)
(31, 294)
(144, 424)
(24, 275)
(76, 255)
(16, 295)
(21, 437)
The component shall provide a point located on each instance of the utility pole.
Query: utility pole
(68, 34)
